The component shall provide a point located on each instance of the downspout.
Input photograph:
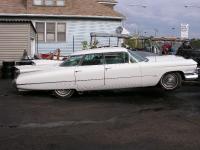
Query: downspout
(36, 43)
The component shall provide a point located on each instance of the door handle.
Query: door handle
(107, 68)
(77, 71)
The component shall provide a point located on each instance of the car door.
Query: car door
(120, 72)
(90, 73)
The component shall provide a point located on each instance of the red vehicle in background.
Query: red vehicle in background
(166, 48)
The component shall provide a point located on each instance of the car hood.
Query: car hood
(170, 58)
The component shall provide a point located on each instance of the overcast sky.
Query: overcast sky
(165, 16)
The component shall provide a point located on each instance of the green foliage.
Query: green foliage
(133, 43)
(94, 44)
(195, 43)
(85, 45)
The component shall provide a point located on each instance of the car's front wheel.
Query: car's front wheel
(63, 93)
(171, 81)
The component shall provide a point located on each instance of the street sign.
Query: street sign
(184, 31)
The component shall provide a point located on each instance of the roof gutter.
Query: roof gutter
(19, 21)
(61, 16)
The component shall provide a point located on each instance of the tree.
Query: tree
(195, 43)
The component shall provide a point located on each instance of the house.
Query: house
(63, 24)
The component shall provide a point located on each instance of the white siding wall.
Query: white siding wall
(81, 30)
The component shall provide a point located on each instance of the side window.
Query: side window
(116, 58)
(92, 59)
(72, 61)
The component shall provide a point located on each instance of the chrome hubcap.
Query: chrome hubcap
(63, 92)
(170, 81)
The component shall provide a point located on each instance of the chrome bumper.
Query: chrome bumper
(191, 76)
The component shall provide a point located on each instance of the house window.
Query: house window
(61, 32)
(60, 2)
(50, 32)
(38, 2)
(40, 27)
(49, 2)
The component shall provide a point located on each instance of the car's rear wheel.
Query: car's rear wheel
(171, 81)
(63, 93)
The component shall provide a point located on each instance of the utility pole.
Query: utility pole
(156, 32)
(143, 6)
(187, 6)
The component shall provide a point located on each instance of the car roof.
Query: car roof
(100, 50)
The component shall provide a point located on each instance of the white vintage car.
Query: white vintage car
(108, 68)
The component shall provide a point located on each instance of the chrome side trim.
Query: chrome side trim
(44, 83)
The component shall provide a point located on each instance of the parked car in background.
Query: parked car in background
(107, 69)
(144, 53)
(188, 52)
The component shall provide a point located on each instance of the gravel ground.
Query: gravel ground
(135, 119)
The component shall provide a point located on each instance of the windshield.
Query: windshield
(72, 61)
(144, 53)
(137, 56)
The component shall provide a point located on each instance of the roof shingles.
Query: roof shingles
(71, 8)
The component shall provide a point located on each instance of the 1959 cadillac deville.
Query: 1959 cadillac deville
(108, 68)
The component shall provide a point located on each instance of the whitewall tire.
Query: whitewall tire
(171, 81)
(63, 93)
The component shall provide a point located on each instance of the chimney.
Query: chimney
(109, 3)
